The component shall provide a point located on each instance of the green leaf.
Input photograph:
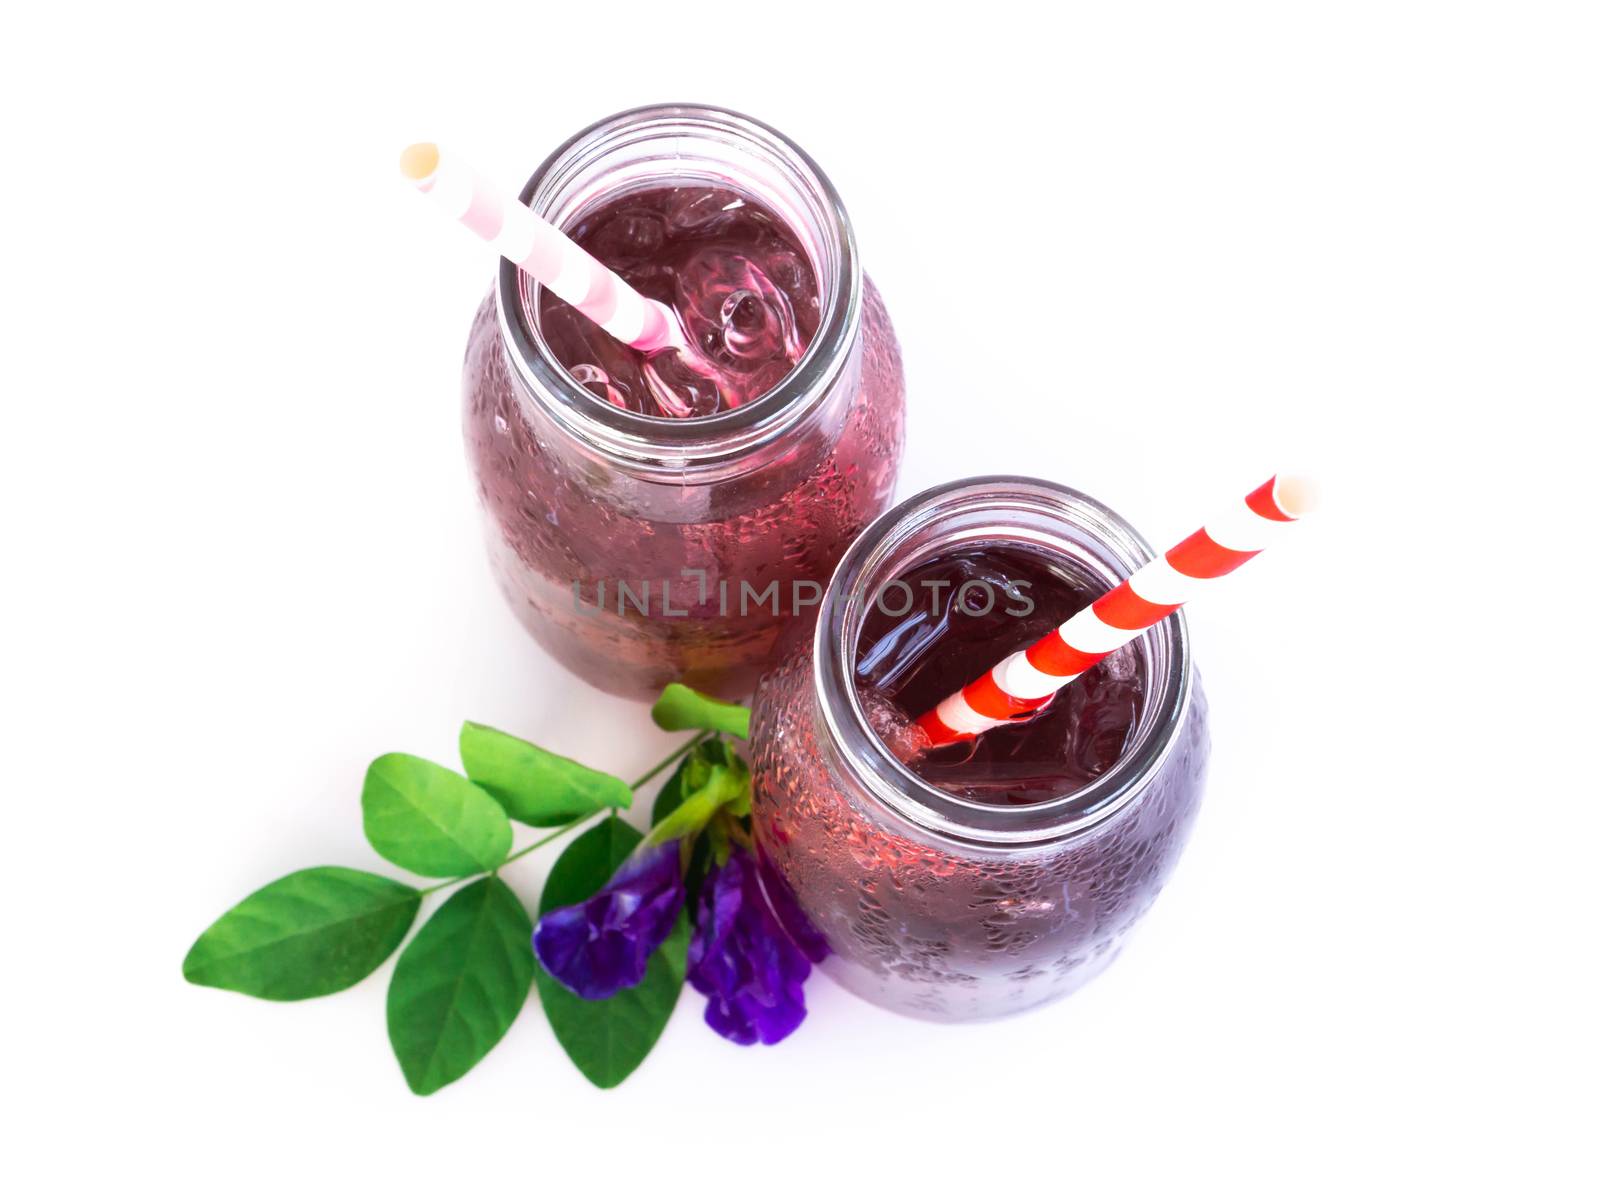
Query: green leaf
(681, 707)
(431, 820)
(717, 836)
(607, 1040)
(722, 786)
(460, 984)
(534, 785)
(691, 774)
(305, 935)
(587, 863)
(669, 796)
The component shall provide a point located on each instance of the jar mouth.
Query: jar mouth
(689, 142)
(967, 512)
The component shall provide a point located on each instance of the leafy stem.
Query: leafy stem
(582, 819)
(323, 929)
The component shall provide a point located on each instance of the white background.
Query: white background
(243, 558)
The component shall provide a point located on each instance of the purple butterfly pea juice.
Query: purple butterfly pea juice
(984, 878)
(674, 517)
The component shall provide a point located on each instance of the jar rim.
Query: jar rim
(627, 435)
(874, 555)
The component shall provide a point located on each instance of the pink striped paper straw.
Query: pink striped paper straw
(541, 250)
(1020, 685)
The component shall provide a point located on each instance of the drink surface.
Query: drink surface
(956, 617)
(734, 274)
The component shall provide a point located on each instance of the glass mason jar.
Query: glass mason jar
(932, 904)
(638, 549)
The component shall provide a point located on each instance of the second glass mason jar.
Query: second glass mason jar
(931, 903)
(641, 549)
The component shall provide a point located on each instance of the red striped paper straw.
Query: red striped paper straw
(541, 250)
(1021, 684)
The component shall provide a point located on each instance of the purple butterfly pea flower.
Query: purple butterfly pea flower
(599, 947)
(742, 959)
